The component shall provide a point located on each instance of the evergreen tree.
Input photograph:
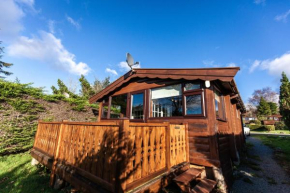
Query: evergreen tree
(100, 85)
(263, 108)
(63, 89)
(4, 64)
(273, 107)
(86, 89)
(54, 90)
(284, 99)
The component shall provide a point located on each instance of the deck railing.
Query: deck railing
(117, 156)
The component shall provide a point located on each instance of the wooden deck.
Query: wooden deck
(109, 156)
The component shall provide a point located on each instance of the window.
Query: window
(105, 109)
(137, 106)
(166, 101)
(193, 104)
(118, 107)
(191, 86)
(219, 106)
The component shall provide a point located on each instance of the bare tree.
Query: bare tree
(267, 93)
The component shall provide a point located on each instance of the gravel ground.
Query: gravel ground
(260, 173)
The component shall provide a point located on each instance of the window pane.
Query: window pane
(137, 106)
(166, 101)
(191, 86)
(105, 111)
(219, 105)
(118, 106)
(193, 105)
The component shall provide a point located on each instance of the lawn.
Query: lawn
(281, 146)
(18, 175)
(274, 132)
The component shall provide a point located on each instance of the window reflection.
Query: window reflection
(193, 105)
(137, 106)
(118, 106)
(167, 101)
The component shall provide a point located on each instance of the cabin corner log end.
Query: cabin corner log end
(114, 156)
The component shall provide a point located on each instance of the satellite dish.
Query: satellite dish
(130, 61)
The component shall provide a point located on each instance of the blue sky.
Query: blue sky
(46, 40)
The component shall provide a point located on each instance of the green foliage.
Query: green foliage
(280, 126)
(284, 99)
(13, 90)
(263, 108)
(26, 106)
(100, 85)
(86, 89)
(4, 64)
(269, 127)
(54, 97)
(78, 104)
(262, 127)
(256, 122)
(54, 90)
(273, 107)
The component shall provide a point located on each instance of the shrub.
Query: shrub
(280, 126)
(53, 98)
(256, 127)
(269, 127)
(24, 106)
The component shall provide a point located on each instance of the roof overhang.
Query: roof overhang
(225, 75)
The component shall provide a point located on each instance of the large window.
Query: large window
(137, 106)
(166, 101)
(118, 107)
(219, 105)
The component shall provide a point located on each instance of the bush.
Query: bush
(256, 127)
(53, 98)
(269, 127)
(280, 126)
(257, 122)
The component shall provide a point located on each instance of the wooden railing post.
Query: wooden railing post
(121, 167)
(56, 155)
(186, 141)
(168, 143)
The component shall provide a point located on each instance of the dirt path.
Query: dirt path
(260, 173)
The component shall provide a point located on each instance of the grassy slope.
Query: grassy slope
(281, 146)
(21, 105)
(18, 175)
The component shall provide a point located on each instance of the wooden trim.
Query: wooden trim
(168, 164)
(100, 111)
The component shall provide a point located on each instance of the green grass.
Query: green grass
(276, 131)
(18, 175)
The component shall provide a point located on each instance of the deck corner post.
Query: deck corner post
(121, 171)
(186, 141)
(167, 138)
(100, 111)
(56, 155)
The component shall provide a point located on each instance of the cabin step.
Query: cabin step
(183, 180)
(204, 186)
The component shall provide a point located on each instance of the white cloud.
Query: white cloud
(125, 68)
(210, 63)
(231, 64)
(51, 25)
(10, 20)
(258, 2)
(49, 49)
(283, 17)
(73, 22)
(111, 71)
(274, 66)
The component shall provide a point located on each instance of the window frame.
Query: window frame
(150, 102)
(110, 104)
(194, 92)
(224, 118)
(144, 105)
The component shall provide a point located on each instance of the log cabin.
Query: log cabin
(157, 129)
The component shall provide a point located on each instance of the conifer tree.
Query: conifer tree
(284, 99)
(4, 65)
(273, 107)
(63, 89)
(54, 90)
(263, 108)
(86, 89)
